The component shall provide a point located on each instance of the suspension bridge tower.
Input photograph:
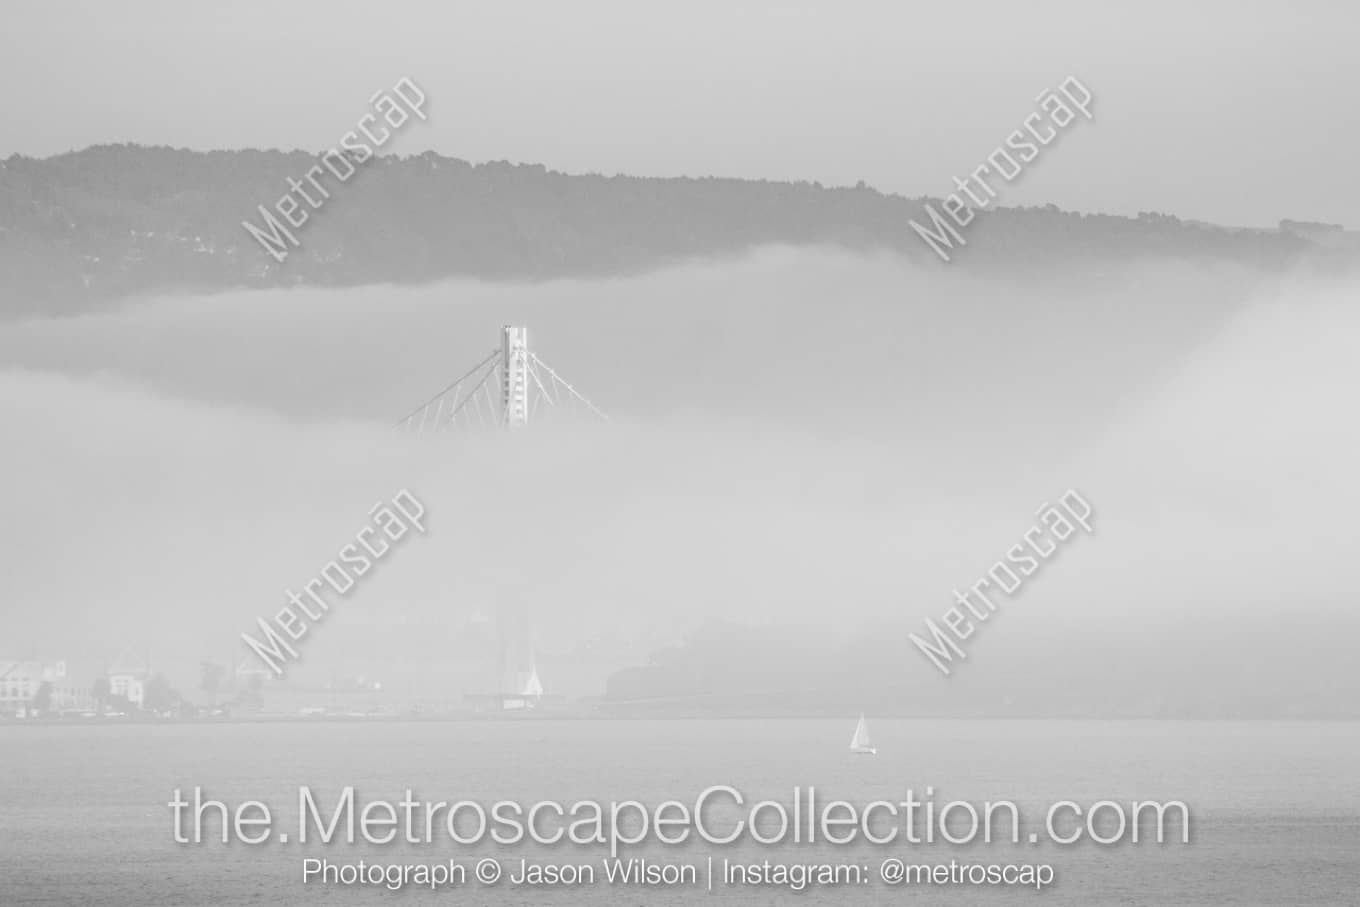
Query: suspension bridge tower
(515, 376)
(507, 388)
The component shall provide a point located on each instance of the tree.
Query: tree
(159, 696)
(101, 690)
(252, 697)
(211, 681)
(42, 700)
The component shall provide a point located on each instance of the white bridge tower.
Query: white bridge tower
(510, 385)
(514, 376)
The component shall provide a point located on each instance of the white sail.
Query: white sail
(533, 686)
(861, 739)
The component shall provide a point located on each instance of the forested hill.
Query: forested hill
(111, 221)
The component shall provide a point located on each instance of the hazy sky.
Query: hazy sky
(1236, 112)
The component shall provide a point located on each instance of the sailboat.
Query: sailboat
(860, 744)
(533, 687)
(527, 692)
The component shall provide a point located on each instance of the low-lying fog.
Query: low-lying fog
(799, 436)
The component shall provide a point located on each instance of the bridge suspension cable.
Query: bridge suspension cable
(524, 385)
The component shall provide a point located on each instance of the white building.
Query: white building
(129, 684)
(21, 680)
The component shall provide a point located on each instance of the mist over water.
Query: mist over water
(798, 437)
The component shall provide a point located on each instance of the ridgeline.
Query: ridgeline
(110, 221)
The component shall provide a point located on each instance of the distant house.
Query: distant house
(130, 683)
(129, 676)
(131, 686)
(21, 680)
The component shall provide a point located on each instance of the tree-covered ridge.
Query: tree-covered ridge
(114, 220)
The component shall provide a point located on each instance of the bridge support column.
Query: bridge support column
(515, 376)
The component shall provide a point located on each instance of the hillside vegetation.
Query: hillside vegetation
(116, 220)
